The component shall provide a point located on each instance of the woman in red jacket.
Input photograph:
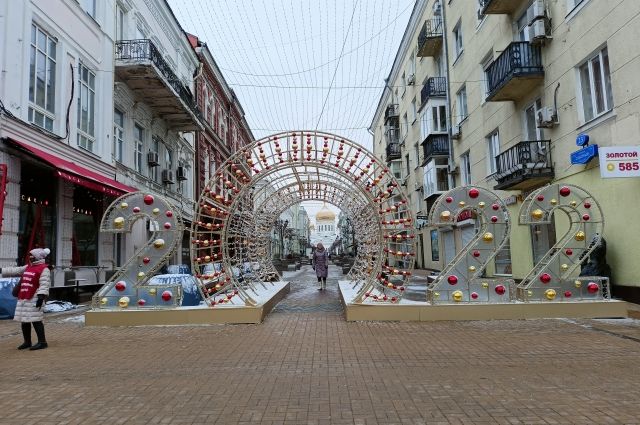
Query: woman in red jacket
(35, 280)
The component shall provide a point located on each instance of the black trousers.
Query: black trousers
(26, 331)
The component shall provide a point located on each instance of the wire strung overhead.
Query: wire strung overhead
(341, 48)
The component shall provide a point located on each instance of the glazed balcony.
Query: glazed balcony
(434, 145)
(524, 166)
(142, 68)
(392, 113)
(515, 73)
(430, 38)
(501, 7)
(435, 87)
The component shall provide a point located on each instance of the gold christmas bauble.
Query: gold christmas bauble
(537, 214)
(158, 243)
(104, 301)
(118, 222)
(550, 294)
(124, 205)
(445, 215)
(123, 302)
(461, 204)
(573, 204)
(152, 291)
(485, 284)
(580, 236)
(472, 269)
(577, 284)
(564, 267)
(553, 201)
(530, 293)
(436, 294)
(457, 296)
(141, 275)
(155, 211)
(481, 204)
(487, 237)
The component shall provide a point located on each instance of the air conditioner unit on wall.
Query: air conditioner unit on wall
(181, 173)
(538, 31)
(167, 177)
(536, 10)
(411, 80)
(152, 159)
(547, 118)
(456, 132)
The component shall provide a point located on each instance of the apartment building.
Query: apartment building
(155, 115)
(529, 83)
(56, 133)
(410, 125)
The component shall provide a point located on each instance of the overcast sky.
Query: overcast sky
(302, 64)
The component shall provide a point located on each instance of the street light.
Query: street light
(280, 227)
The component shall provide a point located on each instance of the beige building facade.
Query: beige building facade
(526, 78)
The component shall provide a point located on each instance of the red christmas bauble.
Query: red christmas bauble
(587, 205)
(169, 213)
(166, 295)
(136, 209)
(452, 280)
(540, 198)
(565, 191)
(567, 294)
(500, 289)
(473, 193)
(449, 199)
(569, 251)
(167, 225)
(476, 253)
(141, 302)
(592, 287)
(494, 219)
(121, 286)
(474, 295)
(495, 207)
(146, 260)
(545, 278)
(148, 199)
(585, 217)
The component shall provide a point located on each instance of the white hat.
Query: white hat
(40, 253)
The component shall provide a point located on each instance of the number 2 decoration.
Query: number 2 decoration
(553, 278)
(460, 280)
(126, 288)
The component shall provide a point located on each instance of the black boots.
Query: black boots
(26, 334)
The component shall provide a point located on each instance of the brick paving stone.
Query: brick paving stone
(306, 365)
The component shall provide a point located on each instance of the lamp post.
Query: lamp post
(281, 225)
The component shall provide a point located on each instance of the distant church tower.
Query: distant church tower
(325, 228)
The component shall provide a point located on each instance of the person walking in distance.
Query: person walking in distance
(320, 263)
(32, 291)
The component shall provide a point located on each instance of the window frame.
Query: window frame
(86, 137)
(461, 97)
(138, 159)
(458, 42)
(493, 150)
(465, 168)
(605, 82)
(118, 136)
(48, 109)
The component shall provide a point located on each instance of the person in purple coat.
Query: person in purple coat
(320, 262)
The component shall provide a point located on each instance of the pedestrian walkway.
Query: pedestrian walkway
(305, 296)
(310, 367)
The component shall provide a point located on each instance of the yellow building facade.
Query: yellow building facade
(525, 79)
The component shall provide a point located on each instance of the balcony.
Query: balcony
(515, 73)
(392, 113)
(393, 151)
(435, 145)
(434, 87)
(142, 68)
(501, 7)
(524, 166)
(436, 178)
(430, 38)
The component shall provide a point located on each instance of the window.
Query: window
(457, 40)
(493, 150)
(461, 96)
(120, 19)
(572, 4)
(466, 168)
(89, 6)
(86, 107)
(118, 134)
(484, 73)
(414, 110)
(416, 151)
(435, 248)
(404, 84)
(434, 120)
(42, 78)
(168, 158)
(138, 137)
(530, 122)
(405, 126)
(595, 86)
(155, 148)
(479, 7)
(522, 25)
(408, 165)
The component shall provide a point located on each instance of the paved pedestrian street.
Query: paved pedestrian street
(306, 365)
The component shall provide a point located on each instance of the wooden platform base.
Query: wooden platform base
(192, 315)
(423, 312)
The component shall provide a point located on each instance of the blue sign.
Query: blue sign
(582, 140)
(583, 156)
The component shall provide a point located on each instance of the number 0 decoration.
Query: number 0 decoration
(460, 281)
(554, 277)
(127, 288)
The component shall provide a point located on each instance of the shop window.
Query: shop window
(87, 213)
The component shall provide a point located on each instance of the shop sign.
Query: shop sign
(620, 161)
(466, 215)
(510, 200)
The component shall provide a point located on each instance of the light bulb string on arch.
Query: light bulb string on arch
(309, 159)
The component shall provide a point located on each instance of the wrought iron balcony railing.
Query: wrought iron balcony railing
(392, 111)
(435, 145)
(143, 50)
(434, 87)
(430, 37)
(393, 151)
(524, 165)
(511, 74)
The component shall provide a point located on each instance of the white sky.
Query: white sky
(302, 64)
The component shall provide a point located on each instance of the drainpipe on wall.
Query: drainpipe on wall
(443, 8)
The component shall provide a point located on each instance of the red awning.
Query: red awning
(78, 175)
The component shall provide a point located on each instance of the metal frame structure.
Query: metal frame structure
(230, 249)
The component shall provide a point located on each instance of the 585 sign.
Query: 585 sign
(621, 161)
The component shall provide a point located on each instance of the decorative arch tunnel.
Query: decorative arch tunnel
(243, 200)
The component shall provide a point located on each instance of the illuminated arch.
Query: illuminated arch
(241, 203)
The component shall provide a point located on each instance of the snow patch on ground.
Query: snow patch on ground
(58, 306)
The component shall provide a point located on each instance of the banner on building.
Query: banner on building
(620, 161)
